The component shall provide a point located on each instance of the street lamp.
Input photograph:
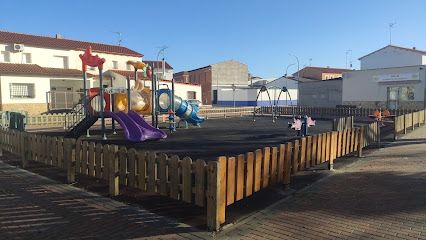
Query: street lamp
(156, 87)
(161, 51)
(233, 95)
(286, 81)
(298, 77)
(287, 69)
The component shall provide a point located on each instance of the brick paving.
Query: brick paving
(382, 196)
(34, 207)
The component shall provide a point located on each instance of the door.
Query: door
(393, 97)
(61, 98)
(214, 97)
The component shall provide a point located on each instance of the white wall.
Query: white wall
(168, 73)
(44, 57)
(283, 82)
(41, 85)
(362, 86)
(392, 57)
(247, 97)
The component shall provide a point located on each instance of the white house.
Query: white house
(391, 77)
(32, 66)
(393, 56)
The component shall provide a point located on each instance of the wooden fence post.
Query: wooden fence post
(378, 134)
(70, 160)
(418, 118)
(395, 127)
(113, 171)
(405, 123)
(333, 147)
(360, 141)
(24, 153)
(222, 189)
(2, 136)
(213, 196)
(287, 165)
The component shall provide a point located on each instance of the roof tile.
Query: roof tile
(33, 69)
(52, 42)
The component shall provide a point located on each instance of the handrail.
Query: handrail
(78, 114)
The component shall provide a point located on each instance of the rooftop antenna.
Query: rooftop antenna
(310, 62)
(119, 38)
(390, 32)
(350, 60)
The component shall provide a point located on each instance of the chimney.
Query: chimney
(59, 36)
(414, 48)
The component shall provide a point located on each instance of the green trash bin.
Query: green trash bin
(16, 121)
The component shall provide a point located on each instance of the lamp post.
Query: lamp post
(233, 93)
(298, 75)
(286, 81)
(287, 69)
(157, 84)
(161, 51)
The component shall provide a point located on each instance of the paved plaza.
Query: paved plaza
(380, 196)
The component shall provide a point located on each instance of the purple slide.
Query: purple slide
(132, 130)
(149, 131)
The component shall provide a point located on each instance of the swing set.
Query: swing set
(273, 105)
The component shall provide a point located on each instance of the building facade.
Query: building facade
(326, 93)
(32, 66)
(319, 73)
(214, 78)
(391, 77)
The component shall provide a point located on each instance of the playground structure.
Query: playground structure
(302, 125)
(382, 116)
(275, 103)
(125, 105)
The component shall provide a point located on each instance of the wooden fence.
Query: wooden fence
(214, 185)
(245, 174)
(343, 111)
(223, 112)
(408, 121)
(340, 124)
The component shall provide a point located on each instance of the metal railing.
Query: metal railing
(62, 100)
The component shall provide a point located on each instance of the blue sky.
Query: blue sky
(260, 34)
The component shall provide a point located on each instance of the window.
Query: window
(407, 93)
(26, 57)
(114, 65)
(22, 90)
(5, 56)
(60, 62)
(191, 95)
(128, 66)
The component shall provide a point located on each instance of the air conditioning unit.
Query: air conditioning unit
(18, 47)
